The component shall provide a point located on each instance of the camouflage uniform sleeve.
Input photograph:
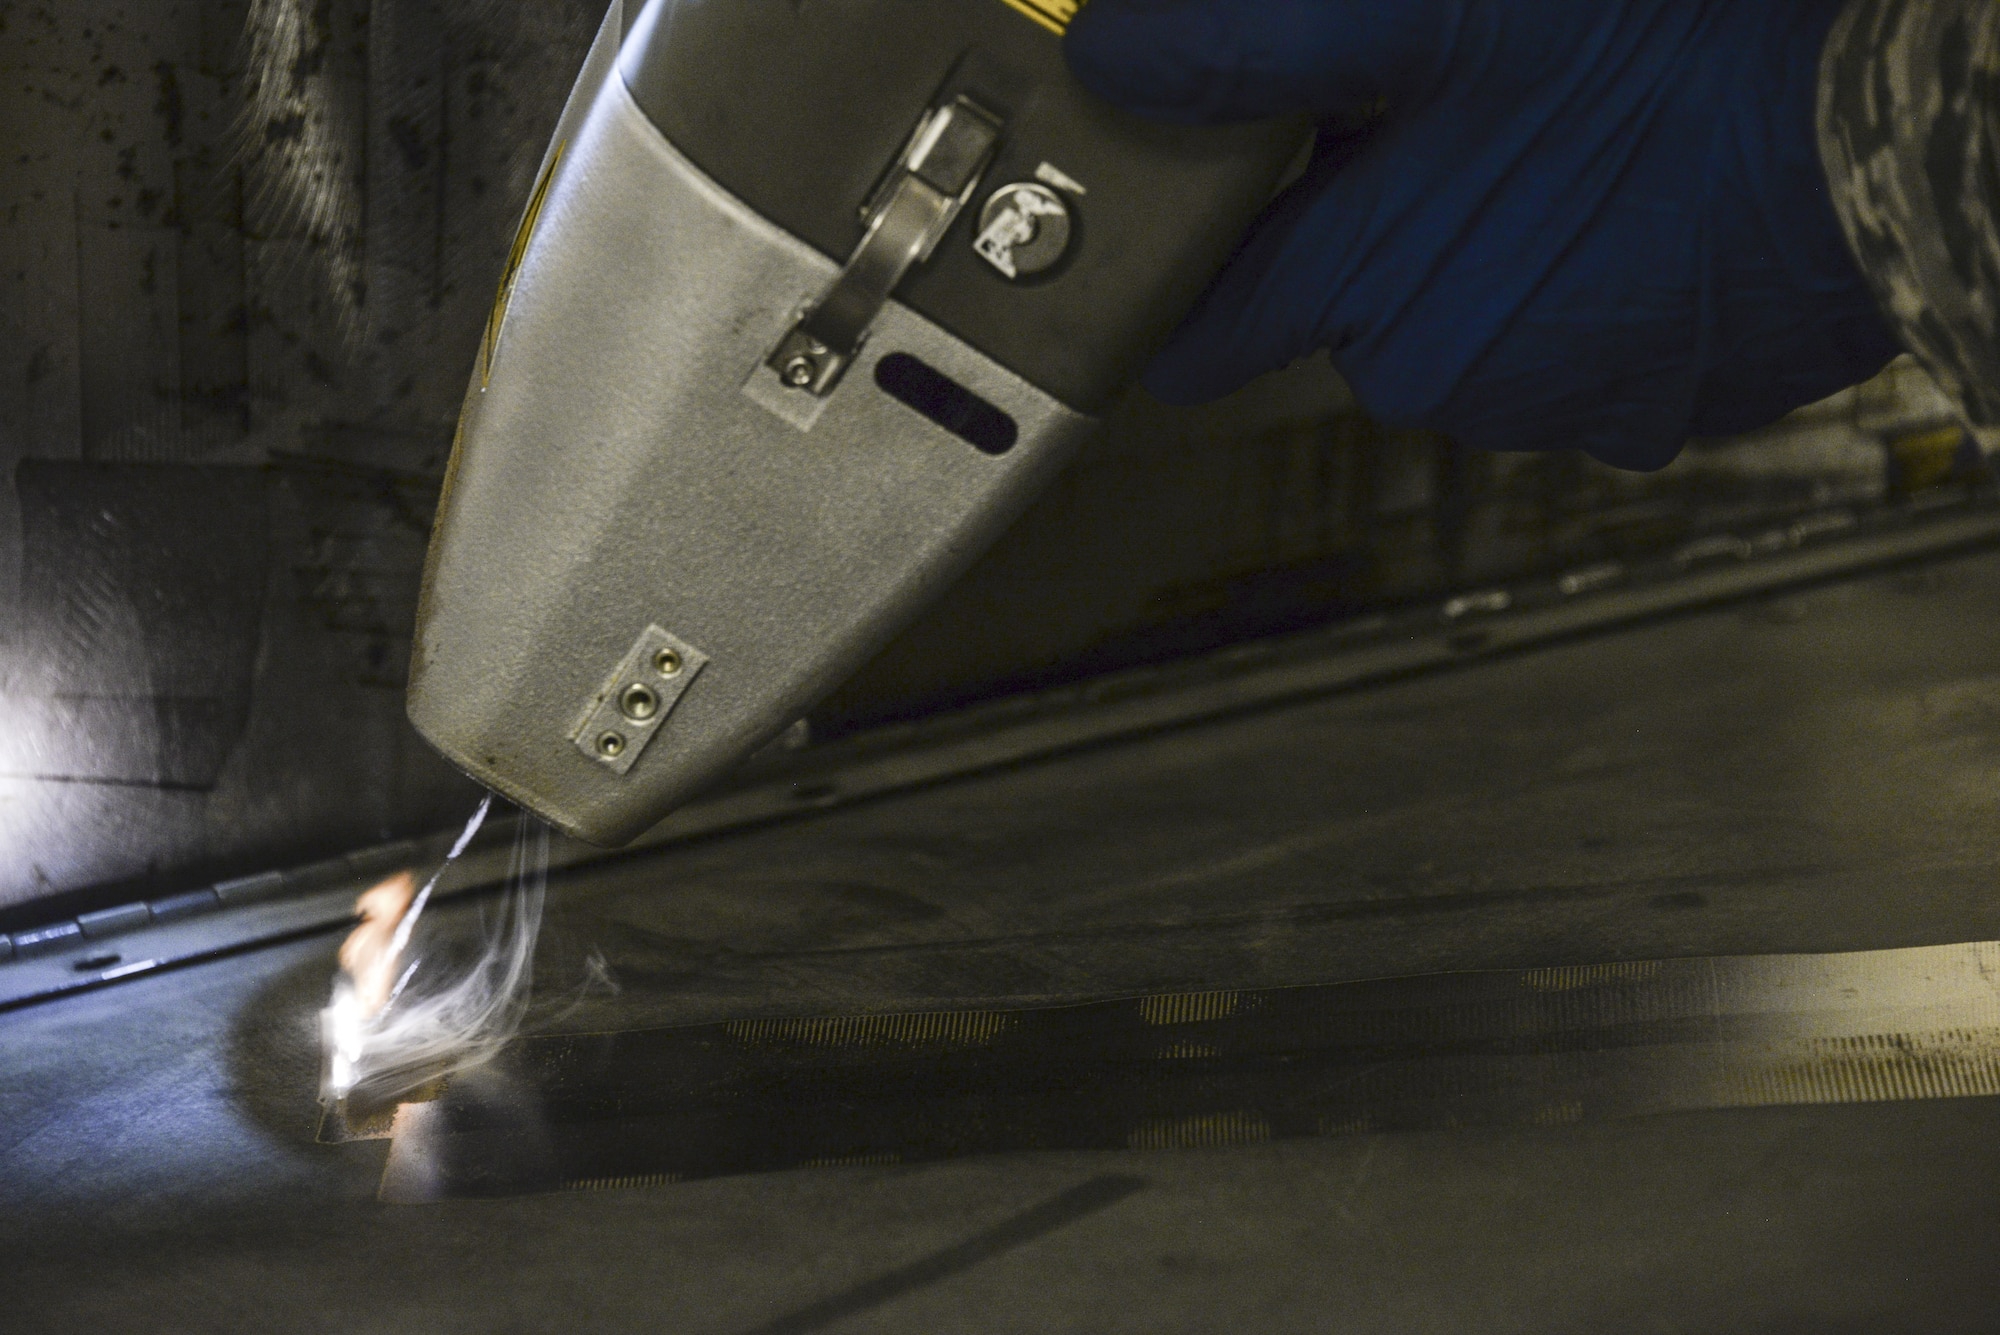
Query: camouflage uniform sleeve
(1909, 132)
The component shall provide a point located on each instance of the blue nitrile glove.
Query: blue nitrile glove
(1589, 223)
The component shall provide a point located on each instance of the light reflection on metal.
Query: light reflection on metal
(382, 1040)
(489, 345)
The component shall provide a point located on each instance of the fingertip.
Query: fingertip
(1206, 61)
(1146, 56)
(1184, 375)
(1176, 392)
(1271, 304)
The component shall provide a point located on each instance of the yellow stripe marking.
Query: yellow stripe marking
(490, 345)
(917, 1029)
(1200, 1133)
(620, 1183)
(854, 1161)
(1574, 977)
(1188, 1007)
(1051, 14)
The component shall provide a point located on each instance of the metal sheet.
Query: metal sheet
(1206, 1069)
(782, 784)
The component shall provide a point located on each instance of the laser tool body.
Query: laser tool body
(808, 303)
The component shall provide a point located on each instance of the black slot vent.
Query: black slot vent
(946, 402)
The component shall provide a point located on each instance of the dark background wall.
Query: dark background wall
(248, 249)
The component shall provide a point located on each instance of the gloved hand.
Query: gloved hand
(1570, 223)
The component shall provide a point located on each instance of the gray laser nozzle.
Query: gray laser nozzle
(653, 551)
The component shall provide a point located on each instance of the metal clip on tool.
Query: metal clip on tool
(907, 216)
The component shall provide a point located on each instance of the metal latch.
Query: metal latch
(906, 216)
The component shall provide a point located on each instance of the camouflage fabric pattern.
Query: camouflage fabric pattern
(1909, 132)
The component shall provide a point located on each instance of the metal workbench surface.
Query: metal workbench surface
(1816, 771)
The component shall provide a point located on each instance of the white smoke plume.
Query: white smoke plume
(457, 996)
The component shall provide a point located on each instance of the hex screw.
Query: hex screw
(638, 702)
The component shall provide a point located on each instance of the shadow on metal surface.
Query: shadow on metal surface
(1080, 1201)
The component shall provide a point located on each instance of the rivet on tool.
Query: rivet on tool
(638, 702)
(667, 663)
(611, 744)
(799, 372)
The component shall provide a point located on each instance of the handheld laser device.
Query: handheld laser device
(810, 299)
